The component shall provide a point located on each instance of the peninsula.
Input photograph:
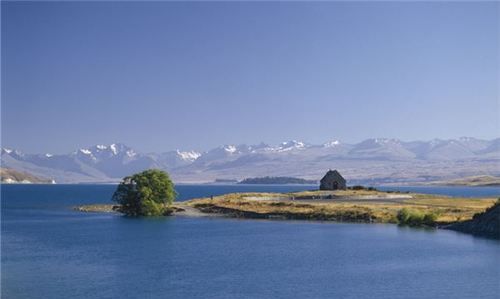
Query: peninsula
(12, 176)
(362, 205)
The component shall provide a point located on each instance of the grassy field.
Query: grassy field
(348, 205)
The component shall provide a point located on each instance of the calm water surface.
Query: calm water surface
(51, 251)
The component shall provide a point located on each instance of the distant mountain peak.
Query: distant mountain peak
(333, 143)
(468, 139)
(386, 141)
(131, 153)
(229, 148)
(188, 155)
(289, 145)
(85, 151)
(112, 147)
(10, 151)
(293, 143)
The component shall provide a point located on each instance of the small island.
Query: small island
(277, 180)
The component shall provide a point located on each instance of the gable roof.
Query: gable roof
(333, 174)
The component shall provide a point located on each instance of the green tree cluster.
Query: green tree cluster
(416, 218)
(148, 193)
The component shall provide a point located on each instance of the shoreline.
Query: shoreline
(179, 209)
(351, 206)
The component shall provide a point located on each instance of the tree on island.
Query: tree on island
(148, 193)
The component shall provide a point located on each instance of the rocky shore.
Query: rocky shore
(485, 224)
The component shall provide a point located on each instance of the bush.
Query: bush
(149, 193)
(416, 218)
(403, 216)
(430, 218)
(360, 187)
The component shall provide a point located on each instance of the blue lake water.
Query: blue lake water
(51, 251)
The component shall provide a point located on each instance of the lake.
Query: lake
(51, 251)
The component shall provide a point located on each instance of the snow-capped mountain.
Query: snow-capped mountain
(381, 148)
(379, 159)
(101, 152)
(188, 156)
(290, 146)
(453, 149)
(332, 143)
(491, 150)
(177, 158)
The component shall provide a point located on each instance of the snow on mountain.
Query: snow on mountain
(439, 149)
(492, 150)
(221, 152)
(381, 148)
(189, 155)
(113, 149)
(130, 153)
(473, 144)
(12, 153)
(85, 151)
(288, 146)
(100, 161)
(333, 143)
(369, 158)
(230, 148)
(173, 159)
(259, 147)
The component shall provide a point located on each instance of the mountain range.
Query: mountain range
(372, 161)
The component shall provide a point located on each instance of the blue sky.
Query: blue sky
(159, 75)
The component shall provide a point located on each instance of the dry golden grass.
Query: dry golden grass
(340, 209)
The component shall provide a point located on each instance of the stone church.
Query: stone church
(332, 181)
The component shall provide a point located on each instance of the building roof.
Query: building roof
(333, 174)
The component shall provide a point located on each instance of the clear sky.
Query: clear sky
(193, 75)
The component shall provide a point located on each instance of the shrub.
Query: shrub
(358, 187)
(430, 218)
(403, 216)
(416, 218)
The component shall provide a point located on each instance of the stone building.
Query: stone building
(332, 181)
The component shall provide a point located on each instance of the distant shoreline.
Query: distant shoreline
(472, 181)
(281, 180)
